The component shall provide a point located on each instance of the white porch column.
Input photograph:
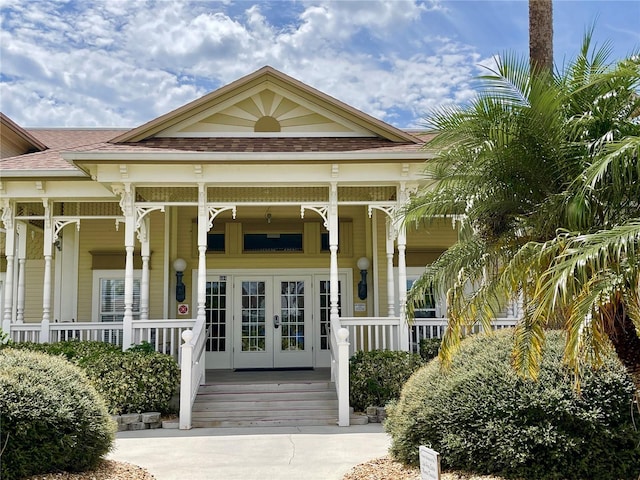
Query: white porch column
(334, 298)
(391, 291)
(203, 229)
(127, 194)
(402, 285)
(143, 236)
(333, 249)
(46, 288)
(402, 271)
(21, 229)
(9, 248)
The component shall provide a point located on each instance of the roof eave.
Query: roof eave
(79, 158)
(43, 174)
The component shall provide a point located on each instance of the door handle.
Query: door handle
(276, 321)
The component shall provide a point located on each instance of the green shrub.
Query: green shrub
(5, 339)
(483, 418)
(142, 347)
(376, 377)
(135, 381)
(429, 348)
(51, 418)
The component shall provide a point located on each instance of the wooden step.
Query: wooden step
(305, 403)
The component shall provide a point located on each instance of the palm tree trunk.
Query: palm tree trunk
(624, 337)
(541, 35)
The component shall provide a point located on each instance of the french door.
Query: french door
(273, 322)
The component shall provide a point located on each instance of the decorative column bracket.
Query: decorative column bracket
(58, 225)
(321, 210)
(214, 211)
(390, 211)
(142, 212)
(7, 214)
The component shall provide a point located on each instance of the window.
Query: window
(216, 312)
(428, 308)
(325, 312)
(273, 242)
(111, 301)
(215, 242)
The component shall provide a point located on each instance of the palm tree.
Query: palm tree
(543, 173)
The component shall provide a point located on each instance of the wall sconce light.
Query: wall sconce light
(363, 266)
(179, 266)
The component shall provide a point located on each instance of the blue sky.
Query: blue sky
(120, 63)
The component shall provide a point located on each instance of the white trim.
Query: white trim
(2, 278)
(250, 134)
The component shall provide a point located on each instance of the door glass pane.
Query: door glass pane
(325, 311)
(253, 316)
(292, 315)
(216, 316)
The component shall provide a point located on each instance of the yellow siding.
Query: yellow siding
(437, 236)
(33, 289)
(101, 235)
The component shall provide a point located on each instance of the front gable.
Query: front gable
(266, 110)
(266, 103)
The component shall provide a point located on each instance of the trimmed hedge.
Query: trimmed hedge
(484, 419)
(377, 376)
(51, 418)
(139, 380)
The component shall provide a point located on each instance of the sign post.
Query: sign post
(429, 464)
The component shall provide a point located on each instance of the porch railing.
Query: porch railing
(164, 335)
(422, 328)
(192, 369)
(109, 332)
(373, 333)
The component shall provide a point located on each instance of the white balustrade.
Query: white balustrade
(108, 332)
(25, 332)
(164, 335)
(373, 333)
(422, 328)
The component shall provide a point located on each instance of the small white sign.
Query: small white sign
(429, 464)
(360, 307)
(183, 309)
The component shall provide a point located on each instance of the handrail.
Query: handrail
(192, 369)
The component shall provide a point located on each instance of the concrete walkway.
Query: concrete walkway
(261, 453)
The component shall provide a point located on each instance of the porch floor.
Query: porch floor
(267, 376)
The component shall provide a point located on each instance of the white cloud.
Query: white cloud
(123, 63)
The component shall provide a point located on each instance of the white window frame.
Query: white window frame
(98, 276)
